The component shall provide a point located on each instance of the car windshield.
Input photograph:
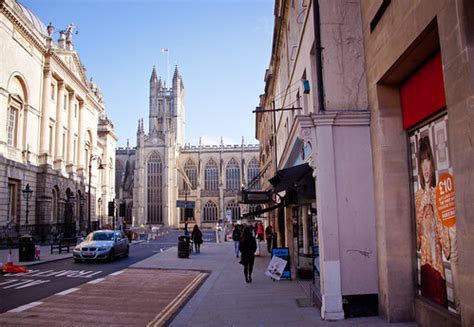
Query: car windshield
(100, 237)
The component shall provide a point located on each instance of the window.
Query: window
(211, 176)
(191, 172)
(75, 110)
(12, 127)
(13, 201)
(54, 205)
(154, 189)
(253, 170)
(51, 140)
(65, 102)
(53, 91)
(233, 175)
(64, 145)
(235, 209)
(209, 212)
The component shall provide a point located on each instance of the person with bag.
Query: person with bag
(236, 238)
(248, 246)
(269, 237)
(196, 236)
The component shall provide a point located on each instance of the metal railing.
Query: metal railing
(42, 233)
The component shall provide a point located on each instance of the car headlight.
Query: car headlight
(105, 248)
(77, 248)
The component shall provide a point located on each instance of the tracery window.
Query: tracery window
(209, 212)
(191, 172)
(235, 209)
(211, 176)
(253, 170)
(232, 175)
(154, 189)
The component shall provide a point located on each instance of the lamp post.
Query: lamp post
(99, 201)
(27, 192)
(99, 160)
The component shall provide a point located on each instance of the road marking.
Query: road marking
(25, 307)
(59, 273)
(71, 290)
(33, 283)
(96, 281)
(116, 273)
(161, 317)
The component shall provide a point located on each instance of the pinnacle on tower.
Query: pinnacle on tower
(176, 73)
(153, 78)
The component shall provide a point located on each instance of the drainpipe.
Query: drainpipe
(319, 51)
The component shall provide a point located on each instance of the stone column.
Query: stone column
(59, 155)
(70, 133)
(328, 222)
(80, 143)
(45, 114)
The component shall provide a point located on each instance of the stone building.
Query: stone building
(54, 132)
(162, 169)
(313, 127)
(420, 73)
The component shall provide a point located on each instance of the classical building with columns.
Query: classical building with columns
(162, 169)
(54, 132)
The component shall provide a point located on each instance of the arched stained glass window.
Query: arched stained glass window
(253, 170)
(232, 172)
(209, 212)
(235, 209)
(211, 176)
(154, 189)
(191, 172)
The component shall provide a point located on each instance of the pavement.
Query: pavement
(224, 298)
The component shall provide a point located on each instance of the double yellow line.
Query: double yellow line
(166, 313)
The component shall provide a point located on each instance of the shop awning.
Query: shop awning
(297, 180)
(262, 210)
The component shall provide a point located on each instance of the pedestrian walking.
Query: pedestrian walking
(269, 237)
(248, 246)
(259, 232)
(236, 238)
(196, 236)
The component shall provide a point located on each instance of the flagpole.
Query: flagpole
(167, 51)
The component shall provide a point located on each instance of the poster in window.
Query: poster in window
(435, 214)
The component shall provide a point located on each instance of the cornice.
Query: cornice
(19, 24)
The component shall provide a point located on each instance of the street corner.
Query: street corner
(133, 296)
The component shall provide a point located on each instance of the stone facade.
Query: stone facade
(150, 178)
(401, 39)
(315, 111)
(54, 128)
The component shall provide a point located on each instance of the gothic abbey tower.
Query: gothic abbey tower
(150, 178)
(155, 188)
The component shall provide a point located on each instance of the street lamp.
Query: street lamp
(99, 202)
(27, 192)
(101, 166)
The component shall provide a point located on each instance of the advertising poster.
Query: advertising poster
(435, 214)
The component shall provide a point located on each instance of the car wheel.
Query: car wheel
(127, 252)
(111, 255)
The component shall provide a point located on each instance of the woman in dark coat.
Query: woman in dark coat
(196, 236)
(248, 246)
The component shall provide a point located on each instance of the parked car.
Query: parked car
(102, 245)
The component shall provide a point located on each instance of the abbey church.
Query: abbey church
(162, 172)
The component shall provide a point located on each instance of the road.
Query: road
(51, 278)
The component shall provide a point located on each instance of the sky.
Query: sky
(222, 49)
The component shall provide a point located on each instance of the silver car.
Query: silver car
(102, 245)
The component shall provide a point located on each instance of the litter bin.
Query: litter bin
(26, 248)
(183, 246)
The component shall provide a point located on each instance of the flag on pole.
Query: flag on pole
(164, 50)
